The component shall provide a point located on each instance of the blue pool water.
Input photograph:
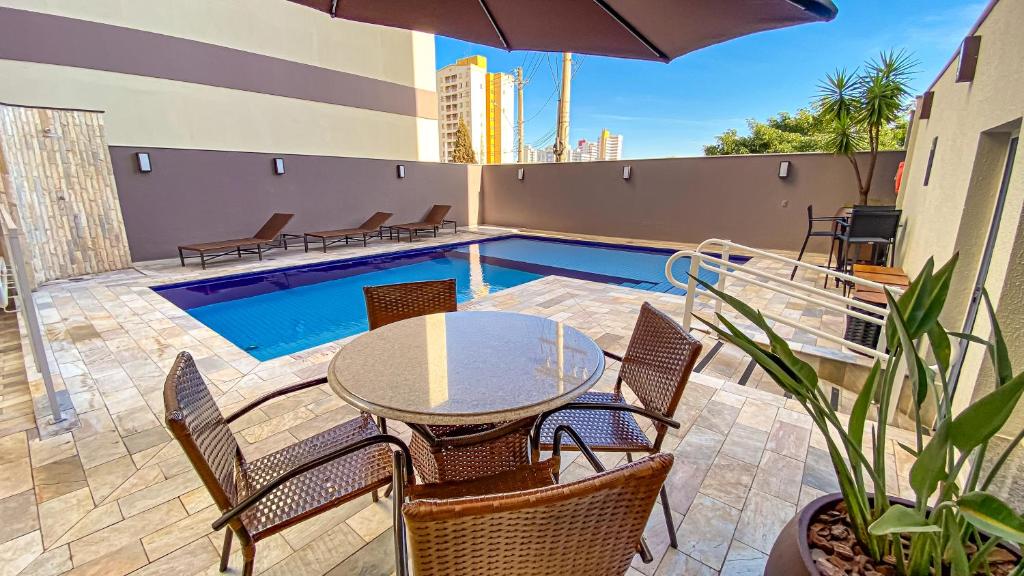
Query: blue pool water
(279, 312)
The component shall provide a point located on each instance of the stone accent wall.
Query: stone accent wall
(57, 181)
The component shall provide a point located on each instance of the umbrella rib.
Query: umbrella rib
(632, 30)
(494, 24)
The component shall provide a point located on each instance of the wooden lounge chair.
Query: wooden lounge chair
(268, 234)
(434, 221)
(372, 228)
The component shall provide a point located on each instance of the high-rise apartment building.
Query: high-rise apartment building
(610, 146)
(485, 102)
(462, 95)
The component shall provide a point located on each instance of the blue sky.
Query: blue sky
(674, 109)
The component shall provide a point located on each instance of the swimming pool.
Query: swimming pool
(283, 311)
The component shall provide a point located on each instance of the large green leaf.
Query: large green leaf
(920, 375)
(930, 302)
(992, 516)
(770, 363)
(899, 519)
(859, 413)
(907, 299)
(939, 340)
(1000, 356)
(930, 467)
(804, 371)
(958, 562)
(982, 419)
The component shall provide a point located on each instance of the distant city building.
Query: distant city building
(610, 146)
(485, 102)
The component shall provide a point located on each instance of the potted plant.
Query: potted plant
(954, 525)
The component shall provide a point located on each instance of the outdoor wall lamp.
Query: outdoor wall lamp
(521, 173)
(400, 171)
(626, 172)
(784, 169)
(143, 161)
(279, 166)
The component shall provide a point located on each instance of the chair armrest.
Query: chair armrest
(275, 394)
(556, 450)
(828, 219)
(612, 355)
(345, 450)
(615, 406)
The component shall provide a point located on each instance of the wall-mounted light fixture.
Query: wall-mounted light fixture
(143, 161)
(279, 166)
(968, 62)
(924, 112)
(627, 171)
(784, 169)
(400, 171)
(521, 173)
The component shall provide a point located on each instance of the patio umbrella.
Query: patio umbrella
(643, 29)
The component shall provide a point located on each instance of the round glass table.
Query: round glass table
(466, 368)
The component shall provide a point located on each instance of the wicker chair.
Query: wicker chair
(592, 527)
(656, 367)
(265, 495)
(447, 453)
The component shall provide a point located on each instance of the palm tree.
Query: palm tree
(856, 106)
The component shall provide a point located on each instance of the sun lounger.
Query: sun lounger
(434, 221)
(372, 228)
(267, 235)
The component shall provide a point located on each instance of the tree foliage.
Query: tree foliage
(803, 131)
(463, 153)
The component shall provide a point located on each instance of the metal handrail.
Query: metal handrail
(706, 256)
(13, 238)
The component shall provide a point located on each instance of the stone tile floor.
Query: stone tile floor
(116, 496)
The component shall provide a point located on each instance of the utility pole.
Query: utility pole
(519, 114)
(561, 148)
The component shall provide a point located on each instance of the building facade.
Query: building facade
(462, 96)
(610, 146)
(276, 77)
(485, 102)
(962, 192)
(501, 139)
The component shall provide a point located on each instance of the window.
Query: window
(931, 159)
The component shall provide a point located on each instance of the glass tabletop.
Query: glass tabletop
(466, 368)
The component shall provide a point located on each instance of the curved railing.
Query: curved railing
(713, 255)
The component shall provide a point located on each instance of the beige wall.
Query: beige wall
(973, 122)
(739, 198)
(147, 110)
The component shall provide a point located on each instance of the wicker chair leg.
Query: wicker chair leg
(248, 559)
(672, 540)
(226, 552)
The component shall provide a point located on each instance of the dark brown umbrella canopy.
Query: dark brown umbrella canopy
(643, 29)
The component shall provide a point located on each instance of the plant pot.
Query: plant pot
(791, 553)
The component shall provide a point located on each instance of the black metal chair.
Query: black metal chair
(831, 234)
(870, 226)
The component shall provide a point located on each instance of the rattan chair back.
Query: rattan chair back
(590, 527)
(273, 227)
(658, 362)
(196, 422)
(394, 302)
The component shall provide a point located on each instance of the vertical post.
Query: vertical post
(721, 282)
(28, 306)
(519, 115)
(562, 133)
(691, 290)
